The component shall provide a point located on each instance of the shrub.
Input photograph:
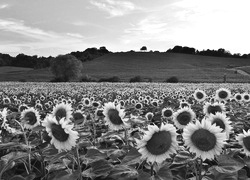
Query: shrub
(57, 79)
(111, 79)
(22, 80)
(87, 79)
(172, 79)
(136, 79)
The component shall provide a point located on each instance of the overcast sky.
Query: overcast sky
(53, 27)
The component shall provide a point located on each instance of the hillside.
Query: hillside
(158, 66)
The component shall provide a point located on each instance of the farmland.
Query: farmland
(106, 130)
(157, 66)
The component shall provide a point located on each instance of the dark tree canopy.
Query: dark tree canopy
(66, 67)
(143, 48)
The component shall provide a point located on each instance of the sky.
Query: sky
(53, 27)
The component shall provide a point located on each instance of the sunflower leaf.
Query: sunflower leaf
(132, 157)
(101, 167)
(95, 155)
(142, 175)
(123, 172)
(164, 172)
(183, 157)
(228, 164)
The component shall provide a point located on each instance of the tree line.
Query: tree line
(22, 60)
(216, 53)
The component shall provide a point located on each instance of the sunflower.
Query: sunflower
(199, 95)
(158, 143)
(246, 97)
(184, 103)
(61, 133)
(22, 107)
(167, 113)
(149, 116)
(30, 118)
(244, 141)
(222, 94)
(114, 116)
(183, 116)
(238, 97)
(204, 139)
(209, 108)
(138, 106)
(221, 120)
(62, 110)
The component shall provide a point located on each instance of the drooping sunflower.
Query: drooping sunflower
(210, 108)
(61, 133)
(30, 118)
(114, 116)
(158, 143)
(149, 116)
(167, 113)
(62, 110)
(244, 140)
(199, 95)
(221, 120)
(222, 94)
(204, 139)
(183, 116)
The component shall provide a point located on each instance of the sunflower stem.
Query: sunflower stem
(78, 162)
(152, 169)
(126, 136)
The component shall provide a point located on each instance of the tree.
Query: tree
(65, 67)
(143, 48)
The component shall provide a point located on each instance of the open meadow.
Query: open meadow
(124, 131)
(154, 65)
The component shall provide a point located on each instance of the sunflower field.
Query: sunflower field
(124, 131)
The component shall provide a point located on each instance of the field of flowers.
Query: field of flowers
(127, 131)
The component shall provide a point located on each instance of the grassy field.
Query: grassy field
(158, 66)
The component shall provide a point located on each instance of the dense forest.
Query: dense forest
(22, 60)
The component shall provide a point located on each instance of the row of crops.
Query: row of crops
(124, 131)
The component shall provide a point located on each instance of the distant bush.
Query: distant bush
(136, 79)
(22, 80)
(172, 79)
(87, 79)
(57, 79)
(111, 79)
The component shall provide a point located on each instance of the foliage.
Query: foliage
(66, 67)
(172, 79)
(143, 48)
(111, 79)
(136, 79)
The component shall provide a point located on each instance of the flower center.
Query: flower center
(60, 113)
(222, 94)
(78, 116)
(168, 113)
(184, 118)
(159, 143)
(220, 123)
(213, 109)
(199, 95)
(203, 139)
(31, 117)
(246, 97)
(238, 97)
(246, 142)
(114, 117)
(138, 106)
(59, 133)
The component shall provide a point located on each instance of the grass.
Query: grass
(158, 66)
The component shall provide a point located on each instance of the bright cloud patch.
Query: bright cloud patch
(114, 7)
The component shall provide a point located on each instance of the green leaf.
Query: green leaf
(95, 155)
(143, 175)
(17, 177)
(183, 157)
(38, 128)
(63, 175)
(164, 172)
(132, 157)
(228, 164)
(101, 167)
(114, 154)
(123, 172)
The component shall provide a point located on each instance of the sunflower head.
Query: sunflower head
(204, 139)
(114, 116)
(158, 143)
(62, 110)
(222, 94)
(183, 116)
(199, 95)
(30, 118)
(209, 108)
(167, 113)
(149, 116)
(244, 141)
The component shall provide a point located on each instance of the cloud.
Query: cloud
(114, 7)
(3, 6)
(37, 40)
